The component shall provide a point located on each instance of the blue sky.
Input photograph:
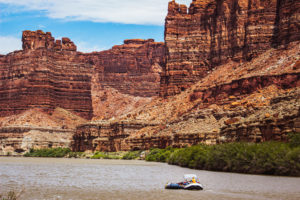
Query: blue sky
(93, 25)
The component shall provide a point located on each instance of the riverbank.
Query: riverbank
(270, 158)
(67, 153)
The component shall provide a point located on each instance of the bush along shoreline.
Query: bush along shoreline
(270, 158)
(130, 155)
(54, 153)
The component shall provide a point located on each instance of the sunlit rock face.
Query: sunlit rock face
(228, 71)
(49, 74)
(132, 68)
(231, 74)
(45, 74)
(212, 32)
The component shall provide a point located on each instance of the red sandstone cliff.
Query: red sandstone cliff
(211, 32)
(234, 66)
(250, 101)
(36, 129)
(50, 73)
(125, 77)
(44, 75)
(132, 68)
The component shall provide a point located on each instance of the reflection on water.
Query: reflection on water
(84, 179)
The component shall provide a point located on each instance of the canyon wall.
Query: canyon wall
(49, 74)
(249, 101)
(132, 68)
(20, 139)
(212, 32)
(37, 129)
(229, 68)
(46, 74)
(125, 77)
(270, 114)
(106, 136)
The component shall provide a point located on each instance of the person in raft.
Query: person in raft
(193, 180)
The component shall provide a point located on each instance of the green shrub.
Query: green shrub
(273, 158)
(294, 139)
(159, 155)
(152, 154)
(291, 164)
(105, 155)
(180, 157)
(53, 152)
(131, 155)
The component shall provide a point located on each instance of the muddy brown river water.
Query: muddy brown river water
(51, 179)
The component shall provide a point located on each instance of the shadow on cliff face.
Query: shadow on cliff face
(286, 25)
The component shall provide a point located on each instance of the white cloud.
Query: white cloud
(88, 48)
(9, 44)
(116, 11)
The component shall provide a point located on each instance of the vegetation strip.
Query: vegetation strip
(54, 153)
(271, 158)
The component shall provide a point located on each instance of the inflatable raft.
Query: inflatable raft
(190, 182)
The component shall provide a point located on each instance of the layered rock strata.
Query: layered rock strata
(132, 68)
(232, 123)
(37, 129)
(211, 33)
(240, 87)
(250, 101)
(105, 136)
(253, 101)
(231, 84)
(19, 139)
(46, 74)
(234, 120)
(234, 85)
(125, 77)
(49, 74)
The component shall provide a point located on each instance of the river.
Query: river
(53, 179)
